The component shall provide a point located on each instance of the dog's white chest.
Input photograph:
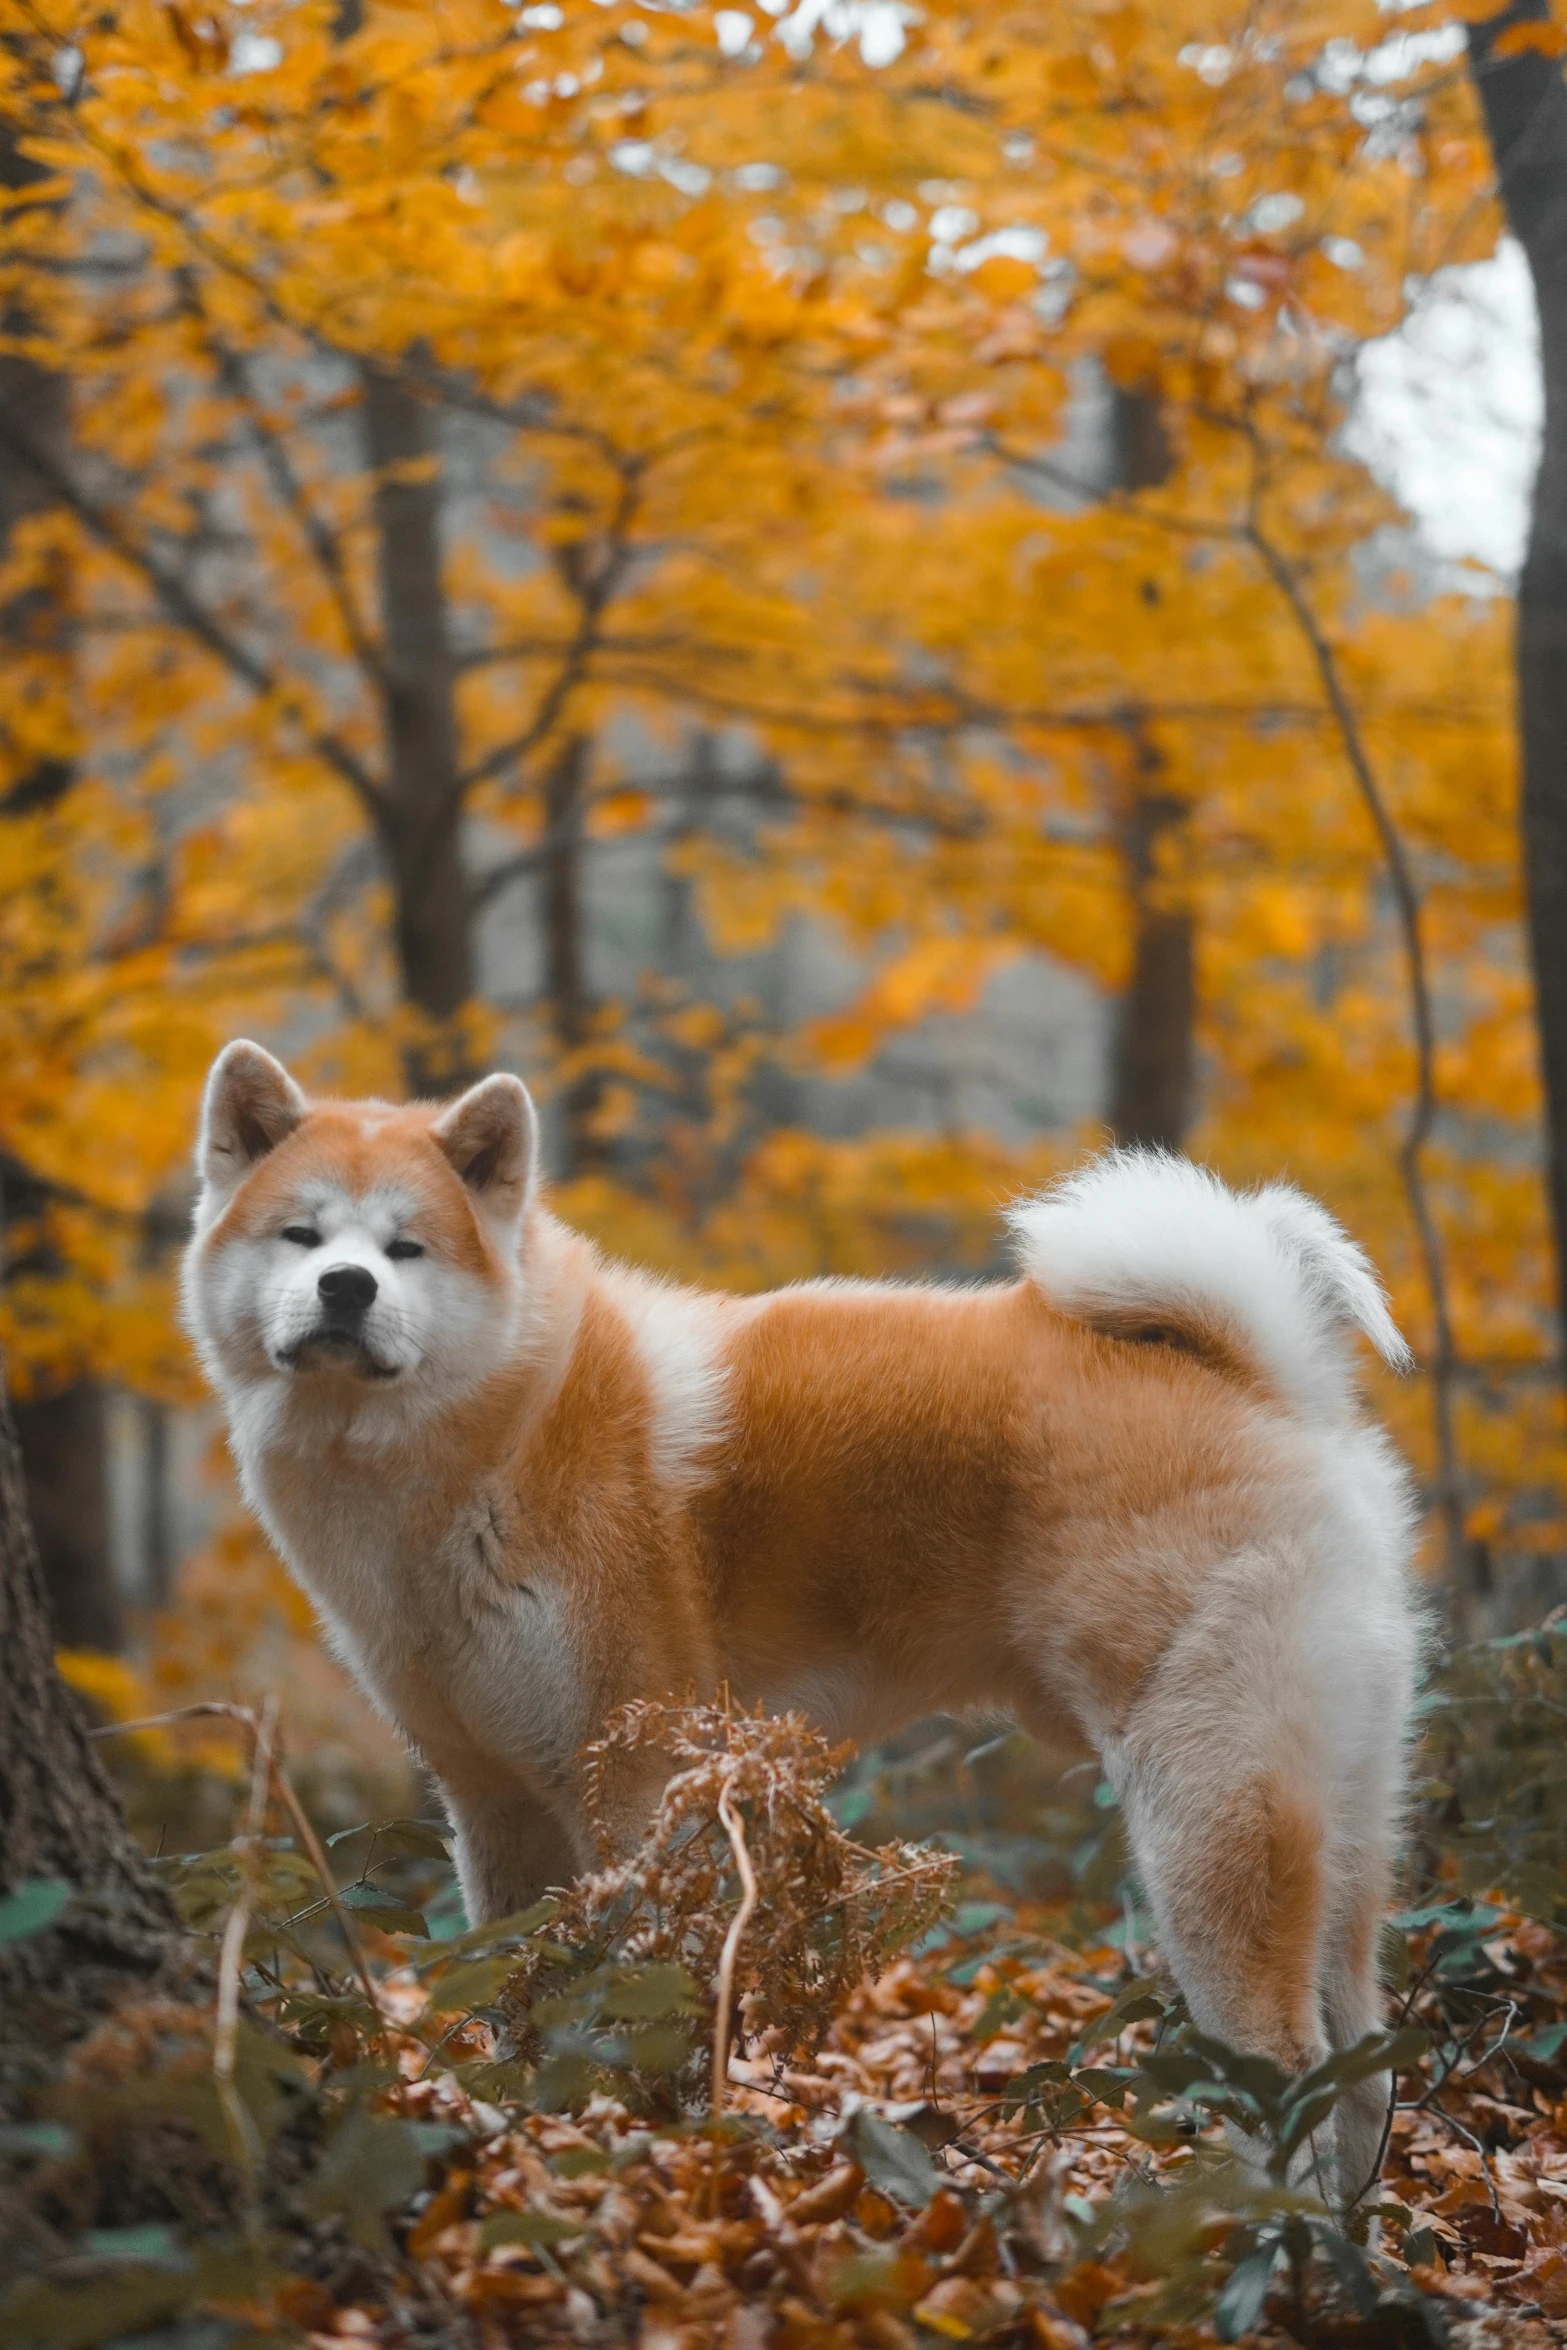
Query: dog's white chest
(474, 1668)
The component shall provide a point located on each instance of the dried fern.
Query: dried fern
(831, 1911)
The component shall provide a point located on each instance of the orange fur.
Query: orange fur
(871, 1501)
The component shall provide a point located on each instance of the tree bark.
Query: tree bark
(59, 1815)
(1140, 453)
(38, 623)
(1153, 1078)
(422, 817)
(64, 1433)
(1524, 100)
(157, 1531)
(1155, 1067)
(64, 1440)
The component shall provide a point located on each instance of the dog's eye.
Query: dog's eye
(398, 1249)
(302, 1235)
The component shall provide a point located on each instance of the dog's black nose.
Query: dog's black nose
(347, 1288)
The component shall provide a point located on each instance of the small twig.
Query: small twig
(1462, 2130)
(241, 2128)
(459, 2024)
(1375, 2172)
(1385, 2140)
(318, 1861)
(181, 1713)
(245, 1715)
(968, 2153)
(922, 1868)
(726, 1963)
(1428, 2102)
(1462, 2045)
(1423, 2103)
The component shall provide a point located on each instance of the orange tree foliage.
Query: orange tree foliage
(754, 335)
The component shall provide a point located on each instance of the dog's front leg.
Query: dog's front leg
(512, 1846)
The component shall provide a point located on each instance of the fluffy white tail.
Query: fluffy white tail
(1141, 1234)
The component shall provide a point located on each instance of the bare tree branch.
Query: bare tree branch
(1406, 898)
(322, 541)
(594, 584)
(187, 609)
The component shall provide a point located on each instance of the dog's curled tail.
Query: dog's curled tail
(1144, 1245)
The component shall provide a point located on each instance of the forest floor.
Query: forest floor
(967, 2219)
(973, 2115)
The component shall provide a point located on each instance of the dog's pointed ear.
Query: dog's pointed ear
(491, 1136)
(250, 1106)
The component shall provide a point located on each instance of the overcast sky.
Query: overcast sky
(1449, 410)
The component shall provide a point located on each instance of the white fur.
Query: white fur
(1298, 1667)
(1291, 1670)
(1298, 1664)
(479, 1672)
(1142, 1231)
(678, 1335)
(431, 1327)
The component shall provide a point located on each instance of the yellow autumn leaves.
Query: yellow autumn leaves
(762, 373)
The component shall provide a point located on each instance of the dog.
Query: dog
(1130, 1493)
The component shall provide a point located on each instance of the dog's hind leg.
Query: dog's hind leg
(1222, 1785)
(1235, 1879)
(1375, 1690)
(1361, 1849)
(1234, 1875)
(1353, 2005)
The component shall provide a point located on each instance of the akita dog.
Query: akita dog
(1130, 1492)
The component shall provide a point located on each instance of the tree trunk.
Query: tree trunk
(566, 979)
(1154, 1072)
(63, 1434)
(1153, 1078)
(1140, 453)
(64, 1440)
(156, 1529)
(59, 1816)
(38, 625)
(423, 819)
(1525, 104)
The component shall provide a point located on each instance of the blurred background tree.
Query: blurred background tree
(1516, 60)
(798, 577)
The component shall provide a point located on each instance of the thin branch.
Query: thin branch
(540, 648)
(187, 609)
(594, 594)
(247, 1718)
(1406, 897)
(532, 859)
(207, 1708)
(345, 1924)
(927, 710)
(322, 541)
(499, 879)
(241, 2128)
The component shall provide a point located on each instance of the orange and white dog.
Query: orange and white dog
(1130, 1492)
